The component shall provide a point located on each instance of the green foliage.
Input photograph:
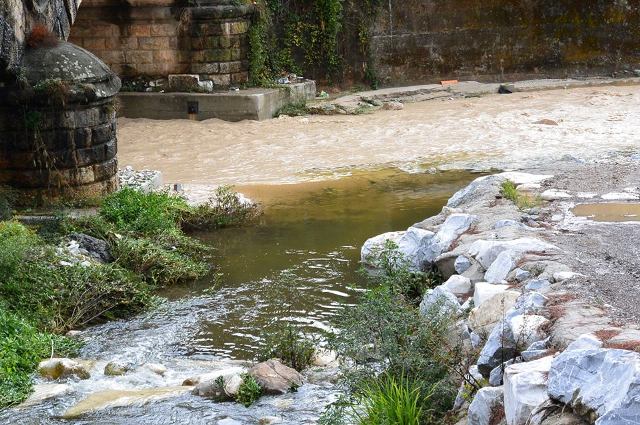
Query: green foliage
(156, 263)
(15, 243)
(22, 347)
(396, 274)
(293, 110)
(7, 197)
(523, 201)
(144, 213)
(288, 345)
(223, 210)
(249, 391)
(392, 400)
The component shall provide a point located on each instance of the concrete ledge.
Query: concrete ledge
(251, 104)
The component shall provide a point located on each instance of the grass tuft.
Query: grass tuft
(523, 201)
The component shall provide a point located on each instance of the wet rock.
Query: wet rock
(527, 329)
(500, 268)
(95, 248)
(484, 291)
(275, 378)
(228, 421)
(525, 387)
(221, 385)
(461, 264)
(56, 368)
(323, 357)
(439, 301)
(458, 285)
(483, 318)
(42, 392)
(599, 384)
(500, 347)
(121, 398)
(156, 368)
(268, 420)
(393, 106)
(195, 380)
(486, 251)
(115, 368)
(487, 407)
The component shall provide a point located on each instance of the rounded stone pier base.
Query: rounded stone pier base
(58, 127)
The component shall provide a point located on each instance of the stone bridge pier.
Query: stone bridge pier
(57, 99)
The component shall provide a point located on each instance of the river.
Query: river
(299, 263)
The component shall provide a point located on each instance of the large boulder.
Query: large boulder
(500, 347)
(412, 246)
(525, 388)
(275, 378)
(439, 301)
(483, 318)
(603, 385)
(501, 267)
(56, 368)
(458, 285)
(484, 291)
(486, 251)
(94, 247)
(527, 329)
(487, 407)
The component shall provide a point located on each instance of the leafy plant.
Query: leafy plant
(249, 391)
(523, 201)
(287, 344)
(22, 347)
(392, 400)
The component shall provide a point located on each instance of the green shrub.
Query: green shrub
(249, 391)
(288, 345)
(509, 191)
(223, 210)
(392, 400)
(15, 243)
(156, 263)
(22, 347)
(143, 213)
(395, 273)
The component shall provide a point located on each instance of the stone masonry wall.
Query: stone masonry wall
(428, 40)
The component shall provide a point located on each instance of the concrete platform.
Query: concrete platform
(252, 104)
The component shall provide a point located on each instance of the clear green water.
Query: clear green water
(300, 262)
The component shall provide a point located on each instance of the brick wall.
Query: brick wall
(160, 40)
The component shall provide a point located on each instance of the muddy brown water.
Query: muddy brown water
(609, 211)
(298, 264)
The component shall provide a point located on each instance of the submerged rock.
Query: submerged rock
(276, 378)
(599, 384)
(115, 368)
(121, 398)
(56, 368)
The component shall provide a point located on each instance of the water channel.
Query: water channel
(298, 263)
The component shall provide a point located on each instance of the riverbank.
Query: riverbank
(546, 299)
(67, 273)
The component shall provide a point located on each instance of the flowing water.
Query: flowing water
(298, 264)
